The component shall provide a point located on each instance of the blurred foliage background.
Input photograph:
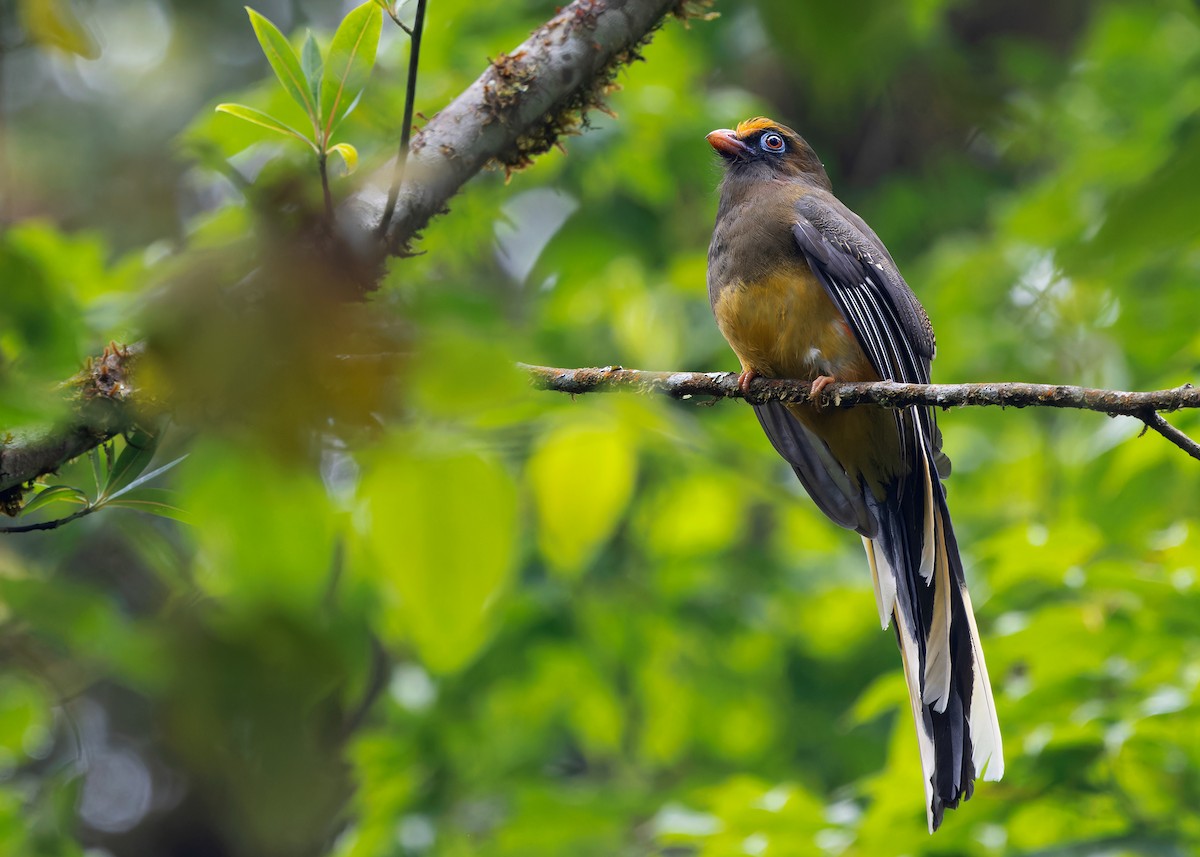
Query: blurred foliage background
(420, 609)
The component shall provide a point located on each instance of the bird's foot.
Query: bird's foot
(819, 383)
(744, 379)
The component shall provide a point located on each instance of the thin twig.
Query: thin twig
(55, 524)
(377, 680)
(410, 97)
(403, 26)
(1155, 420)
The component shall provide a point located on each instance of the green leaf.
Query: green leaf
(94, 458)
(153, 501)
(348, 67)
(284, 62)
(55, 494)
(443, 538)
(582, 478)
(142, 480)
(257, 117)
(140, 447)
(312, 63)
(349, 156)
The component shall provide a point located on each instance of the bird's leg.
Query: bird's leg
(819, 383)
(744, 379)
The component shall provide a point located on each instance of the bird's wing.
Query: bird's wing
(822, 476)
(889, 323)
(859, 275)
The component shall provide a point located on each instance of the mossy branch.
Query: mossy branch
(102, 407)
(1145, 406)
(525, 101)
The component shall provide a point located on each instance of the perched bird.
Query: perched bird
(802, 288)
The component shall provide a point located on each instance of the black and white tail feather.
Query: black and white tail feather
(909, 540)
(920, 587)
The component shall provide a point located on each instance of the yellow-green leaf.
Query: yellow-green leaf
(443, 531)
(349, 156)
(348, 66)
(257, 117)
(53, 22)
(284, 62)
(582, 478)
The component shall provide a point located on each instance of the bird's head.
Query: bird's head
(765, 148)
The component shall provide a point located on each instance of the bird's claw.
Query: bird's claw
(745, 377)
(819, 383)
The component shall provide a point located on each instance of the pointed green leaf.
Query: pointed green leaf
(152, 501)
(348, 66)
(311, 62)
(139, 449)
(142, 480)
(284, 62)
(54, 494)
(257, 117)
(349, 156)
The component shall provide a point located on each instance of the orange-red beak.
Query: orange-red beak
(727, 144)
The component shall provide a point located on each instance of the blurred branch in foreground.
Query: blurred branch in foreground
(889, 394)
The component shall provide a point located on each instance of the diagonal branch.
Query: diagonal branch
(1155, 420)
(525, 101)
(889, 394)
(517, 109)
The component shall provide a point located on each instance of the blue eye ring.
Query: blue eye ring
(772, 142)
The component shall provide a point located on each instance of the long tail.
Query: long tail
(919, 582)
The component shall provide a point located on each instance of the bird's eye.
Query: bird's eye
(772, 142)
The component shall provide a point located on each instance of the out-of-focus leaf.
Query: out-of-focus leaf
(443, 533)
(700, 513)
(265, 534)
(349, 156)
(348, 66)
(582, 478)
(53, 22)
(54, 494)
(257, 117)
(284, 62)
